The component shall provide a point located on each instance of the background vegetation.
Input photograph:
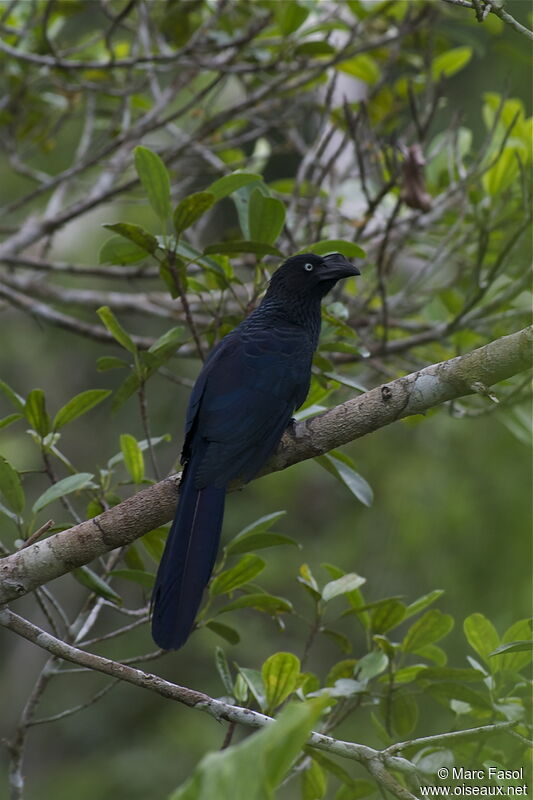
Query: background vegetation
(397, 129)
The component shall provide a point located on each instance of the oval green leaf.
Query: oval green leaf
(94, 582)
(191, 209)
(72, 483)
(266, 216)
(387, 615)
(230, 183)
(268, 603)
(450, 62)
(11, 486)
(431, 627)
(79, 405)
(155, 180)
(35, 412)
(133, 457)
(347, 583)
(225, 631)
(482, 636)
(280, 676)
(245, 570)
(116, 329)
(118, 250)
(135, 234)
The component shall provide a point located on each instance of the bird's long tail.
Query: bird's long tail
(187, 561)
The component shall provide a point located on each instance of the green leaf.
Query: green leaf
(72, 483)
(340, 639)
(371, 665)
(116, 329)
(35, 412)
(403, 713)
(255, 536)
(191, 209)
(154, 543)
(247, 568)
(433, 653)
(132, 557)
(523, 646)
(431, 627)
(482, 636)
(325, 246)
(155, 180)
(289, 16)
(313, 779)
(12, 396)
(110, 362)
(221, 663)
(243, 246)
(118, 250)
(94, 582)
(265, 217)
(362, 67)
(260, 541)
(517, 641)
(450, 62)
(387, 615)
(128, 386)
(133, 457)
(341, 466)
(504, 172)
(423, 602)
(444, 691)
(6, 421)
(268, 603)
(170, 340)
(79, 405)
(334, 768)
(280, 676)
(343, 585)
(451, 673)
(254, 682)
(225, 631)
(241, 198)
(11, 486)
(230, 183)
(146, 579)
(251, 770)
(314, 48)
(135, 234)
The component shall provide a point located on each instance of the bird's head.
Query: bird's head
(310, 275)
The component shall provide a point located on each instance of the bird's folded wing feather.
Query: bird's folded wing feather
(244, 400)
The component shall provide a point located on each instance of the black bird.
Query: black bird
(241, 403)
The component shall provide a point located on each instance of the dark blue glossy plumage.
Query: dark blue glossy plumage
(241, 403)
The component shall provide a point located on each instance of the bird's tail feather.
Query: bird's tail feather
(187, 561)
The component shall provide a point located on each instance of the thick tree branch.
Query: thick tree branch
(416, 393)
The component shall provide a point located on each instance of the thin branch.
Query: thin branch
(494, 8)
(376, 762)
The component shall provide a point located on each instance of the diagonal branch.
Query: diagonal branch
(416, 393)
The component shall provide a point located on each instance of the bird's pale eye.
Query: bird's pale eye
(308, 267)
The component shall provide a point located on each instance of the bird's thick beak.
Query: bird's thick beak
(338, 267)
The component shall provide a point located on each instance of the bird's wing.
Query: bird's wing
(244, 399)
